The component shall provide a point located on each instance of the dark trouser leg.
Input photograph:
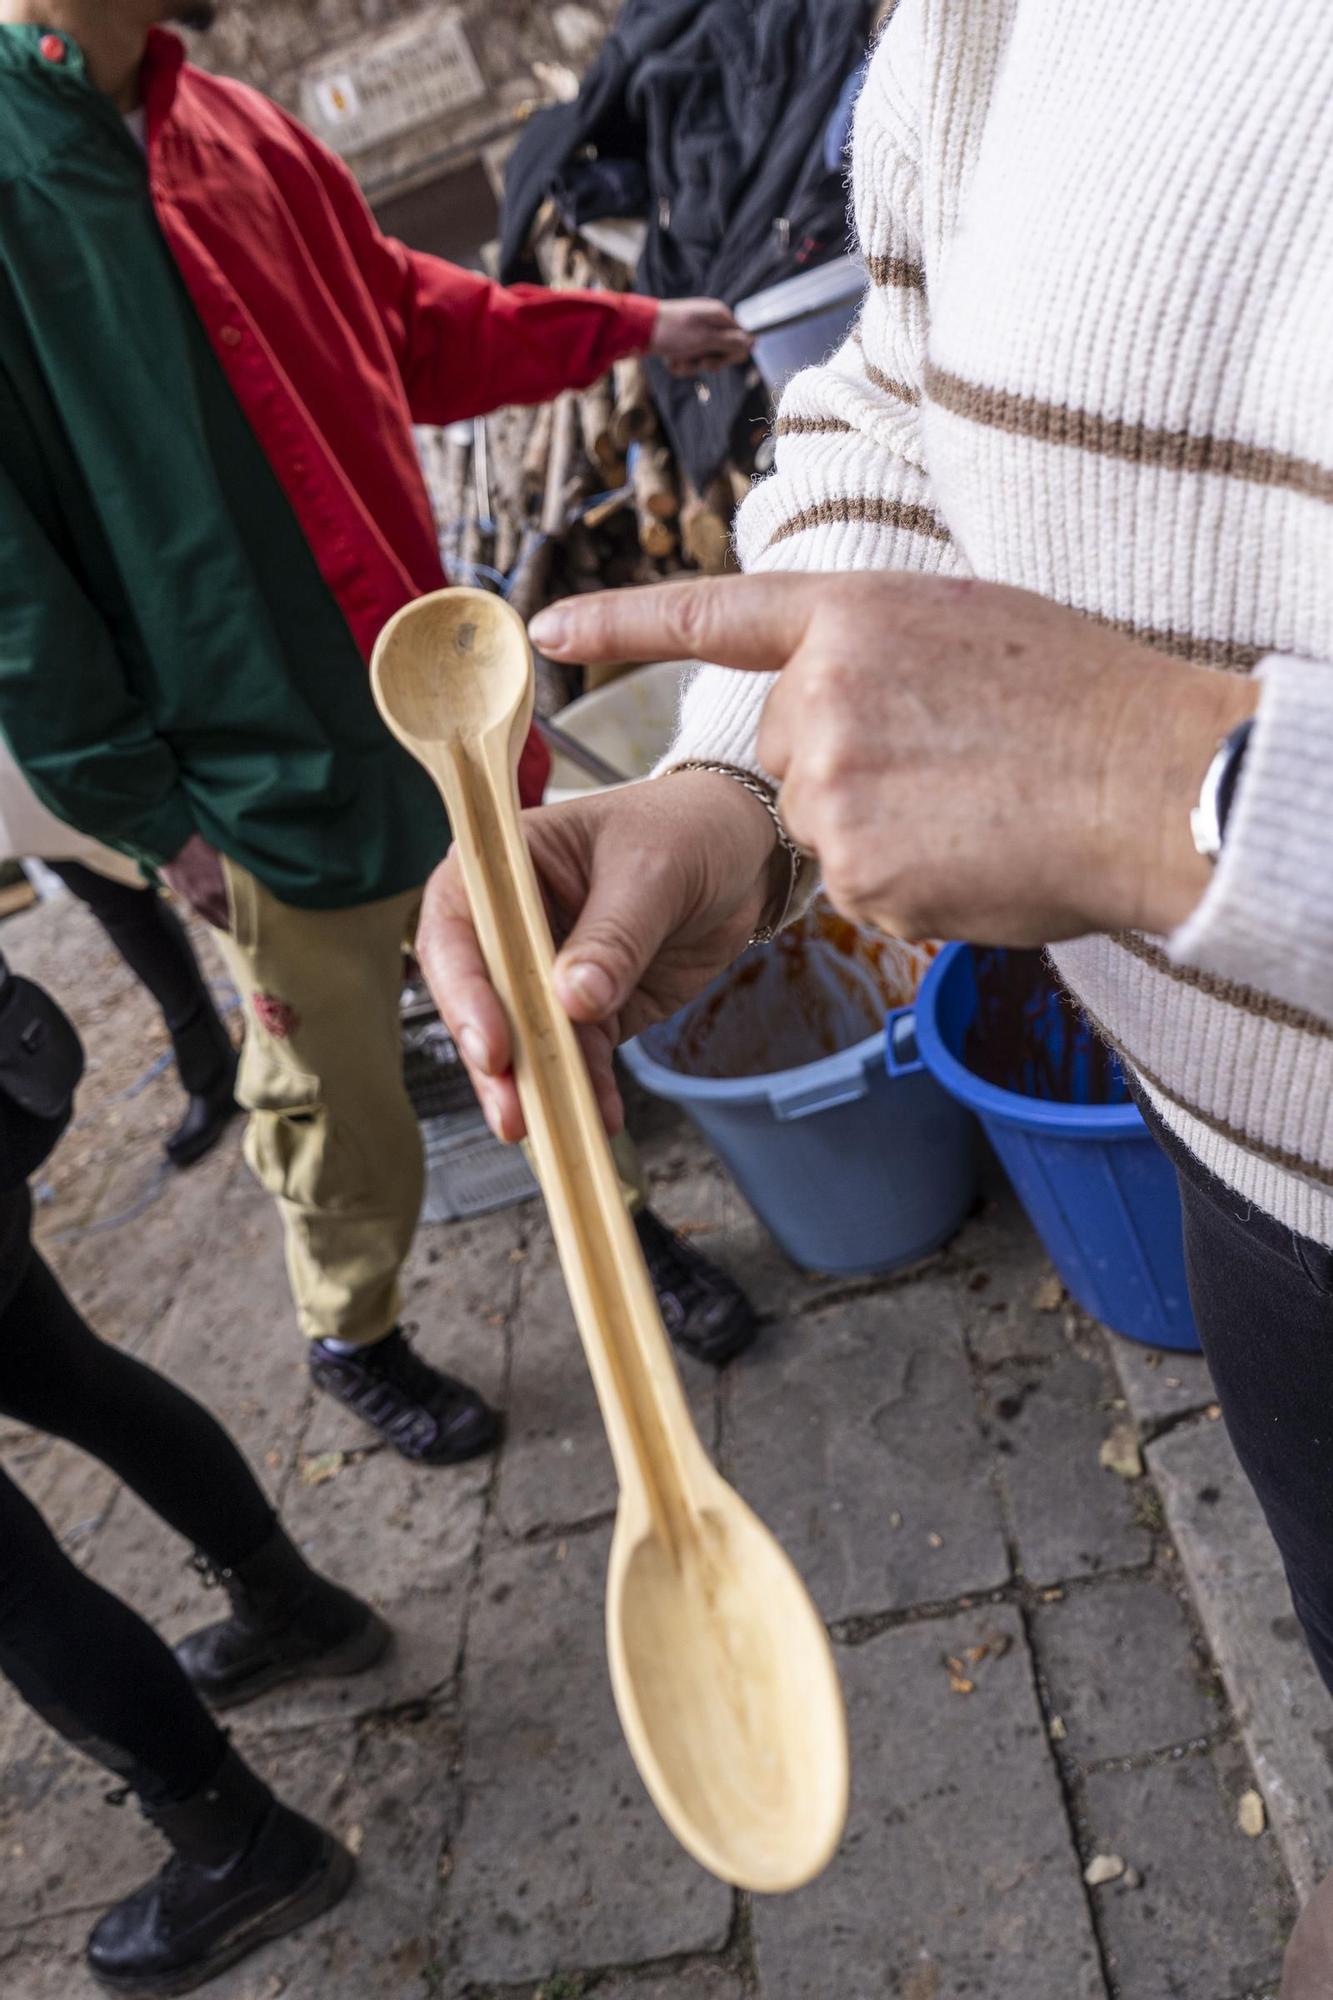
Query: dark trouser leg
(93, 1669)
(152, 941)
(56, 1375)
(1264, 1305)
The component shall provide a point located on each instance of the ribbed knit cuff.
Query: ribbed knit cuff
(720, 712)
(1267, 918)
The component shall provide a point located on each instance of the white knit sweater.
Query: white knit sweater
(1095, 360)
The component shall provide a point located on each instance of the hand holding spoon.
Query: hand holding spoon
(721, 1667)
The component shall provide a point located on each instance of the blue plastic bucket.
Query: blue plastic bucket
(851, 1170)
(1096, 1186)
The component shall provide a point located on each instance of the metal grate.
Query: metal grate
(468, 1171)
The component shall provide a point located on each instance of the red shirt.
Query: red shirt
(336, 338)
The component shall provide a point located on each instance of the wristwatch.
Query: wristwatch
(1208, 821)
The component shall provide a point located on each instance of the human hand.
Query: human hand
(965, 759)
(651, 888)
(694, 335)
(198, 879)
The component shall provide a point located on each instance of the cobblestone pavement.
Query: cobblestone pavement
(1046, 1661)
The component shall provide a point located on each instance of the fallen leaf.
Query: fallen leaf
(1173, 1381)
(1103, 1868)
(1057, 1730)
(895, 1519)
(1213, 1412)
(936, 1541)
(1251, 1817)
(976, 1654)
(324, 1465)
(1131, 1879)
(354, 1839)
(1049, 1295)
(1055, 1596)
(959, 1684)
(1120, 1452)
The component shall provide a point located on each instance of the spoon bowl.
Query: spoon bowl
(721, 1667)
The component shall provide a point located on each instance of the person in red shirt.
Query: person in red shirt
(211, 360)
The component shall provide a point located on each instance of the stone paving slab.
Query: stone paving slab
(956, 1880)
(853, 1433)
(1235, 1572)
(557, 1468)
(1122, 1670)
(1158, 1384)
(695, 1982)
(1069, 1517)
(562, 1861)
(1214, 1909)
(421, 1525)
(63, 1848)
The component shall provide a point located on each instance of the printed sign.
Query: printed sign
(392, 83)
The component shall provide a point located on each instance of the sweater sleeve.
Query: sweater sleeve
(849, 488)
(1266, 920)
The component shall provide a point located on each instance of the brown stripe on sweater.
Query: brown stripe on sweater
(898, 273)
(811, 427)
(878, 512)
(890, 384)
(1275, 1156)
(1225, 653)
(1230, 992)
(1121, 437)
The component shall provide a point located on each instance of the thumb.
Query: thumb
(628, 916)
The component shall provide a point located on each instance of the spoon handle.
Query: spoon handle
(648, 1423)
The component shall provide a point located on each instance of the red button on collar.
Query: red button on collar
(53, 48)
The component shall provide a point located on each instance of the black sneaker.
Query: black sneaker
(703, 1309)
(424, 1414)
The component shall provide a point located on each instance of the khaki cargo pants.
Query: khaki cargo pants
(332, 1134)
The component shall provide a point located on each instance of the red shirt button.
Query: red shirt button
(231, 336)
(52, 48)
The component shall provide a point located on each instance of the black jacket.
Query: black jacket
(41, 1061)
(723, 104)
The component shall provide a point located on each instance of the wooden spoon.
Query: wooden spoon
(721, 1667)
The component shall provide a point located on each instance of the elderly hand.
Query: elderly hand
(652, 889)
(197, 877)
(965, 759)
(695, 335)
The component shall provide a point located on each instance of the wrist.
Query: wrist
(742, 830)
(1193, 711)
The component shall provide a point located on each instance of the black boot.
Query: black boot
(422, 1413)
(207, 1065)
(703, 1309)
(244, 1869)
(287, 1622)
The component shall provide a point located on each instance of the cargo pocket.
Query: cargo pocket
(297, 1148)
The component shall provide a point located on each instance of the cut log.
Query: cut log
(559, 466)
(633, 418)
(705, 529)
(656, 502)
(595, 415)
(538, 451)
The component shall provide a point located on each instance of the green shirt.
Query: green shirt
(171, 660)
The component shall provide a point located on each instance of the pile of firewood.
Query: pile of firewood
(582, 494)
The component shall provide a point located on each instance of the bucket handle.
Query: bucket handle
(804, 1100)
(902, 1058)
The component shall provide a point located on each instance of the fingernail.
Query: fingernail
(592, 985)
(550, 630)
(473, 1045)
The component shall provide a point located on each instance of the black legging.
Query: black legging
(153, 943)
(75, 1653)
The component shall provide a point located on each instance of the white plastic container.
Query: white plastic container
(630, 723)
(802, 320)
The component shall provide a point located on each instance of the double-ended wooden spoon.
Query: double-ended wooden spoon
(721, 1668)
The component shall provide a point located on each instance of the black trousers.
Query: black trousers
(152, 941)
(87, 1663)
(1263, 1301)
